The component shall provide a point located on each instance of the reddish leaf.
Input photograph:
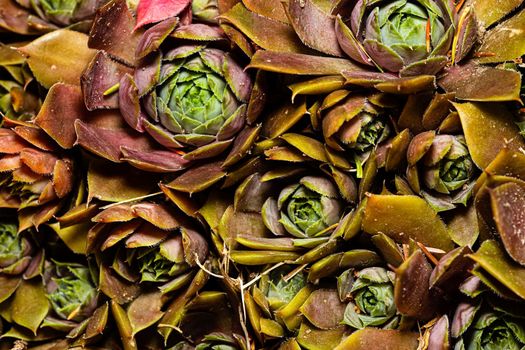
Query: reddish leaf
(154, 36)
(162, 216)
(10, 162)
(157, 161)
(10, 143)
(62, 106)
(62, 178)
(153, 11)
(102, 74)
(35, 136)
(112, 32)
(199, 178)
(39, 162)
(14, 18)
(107, 142)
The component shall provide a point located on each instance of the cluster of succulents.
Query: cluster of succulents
(262, 174)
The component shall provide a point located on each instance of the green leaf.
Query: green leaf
(373, 299)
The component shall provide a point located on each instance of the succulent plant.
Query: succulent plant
(441, 169)
(355, 124)
(304, 209)
(47, 299)
(273, 304)
(283, 303)
(371, 295)
(289, 213)
(483, 323)
(70, 290)
(223, 331)
(403, 43)
(400, 35)
(36, 175)
(493, 331)
(261, 174)
(198, 100)
(199, 106)
(147, 243)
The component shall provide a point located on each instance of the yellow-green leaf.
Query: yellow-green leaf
(30, 305)
(59, 56)
(405, 217)
(488, 129)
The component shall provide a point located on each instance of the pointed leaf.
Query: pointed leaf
(115, 182)
(198, 179)
(153, 11)
(315, 27)
(265, 32)
(508, 206)
(405, 217)
(492, 84)
(145, 311)
(63, 105)
(60, 56)
(30, 305)
(300, 64)
(488, 129)
(112, 31)
(506, 41)
(493, 259)
(369, 338)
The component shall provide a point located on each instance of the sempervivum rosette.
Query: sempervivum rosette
(75, 308)
(481, 320)
(147, 253)
(290, 212)
(284, 304)
(35, 174)
(273, 302)
(147, 243)
(46, 299)
(371, 295)
(222, 329)
(441, 169)
(181, 94)
(71, 291)
(487, 328)
(198, 101)
(397, 46)
(17, 250)
(404, 35)
(356, 124)
(304, 209)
